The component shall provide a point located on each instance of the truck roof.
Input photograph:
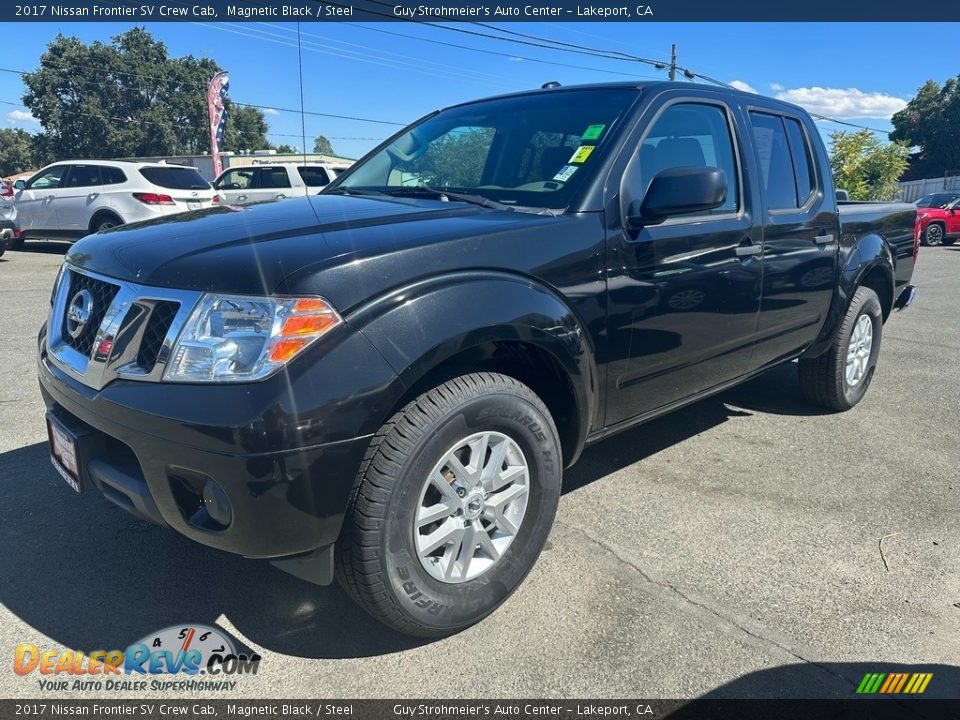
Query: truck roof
(638, 85)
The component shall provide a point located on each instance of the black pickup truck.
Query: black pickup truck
(384, 382)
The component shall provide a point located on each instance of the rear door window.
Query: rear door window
(785, 160)
(272, 178)
(175, 178)
(82, 176)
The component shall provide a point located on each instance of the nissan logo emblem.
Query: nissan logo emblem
(79, 312)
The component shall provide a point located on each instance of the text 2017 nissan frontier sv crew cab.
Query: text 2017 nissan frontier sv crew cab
(383, 383)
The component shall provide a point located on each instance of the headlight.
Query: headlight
(237, 338)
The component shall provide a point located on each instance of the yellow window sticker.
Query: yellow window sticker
(581, 154)
(592, 132)
(565, 173)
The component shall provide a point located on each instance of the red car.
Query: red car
(939, 218)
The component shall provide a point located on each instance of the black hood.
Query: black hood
(253, 249)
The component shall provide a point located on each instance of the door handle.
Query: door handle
(49, 198)
(823, 239)
(748, 250)
(280, 196)
(241, 198)
(92, 196)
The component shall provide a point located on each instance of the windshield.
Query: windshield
(937, 201)
(531, 150)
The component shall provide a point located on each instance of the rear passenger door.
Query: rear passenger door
(800, 236)
(273, 183)
(80, 190)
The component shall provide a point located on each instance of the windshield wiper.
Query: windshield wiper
(426, 191)
(341, 190)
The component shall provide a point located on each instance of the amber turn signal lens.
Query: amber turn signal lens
(307, 324)
(283, 350)
(310, 305)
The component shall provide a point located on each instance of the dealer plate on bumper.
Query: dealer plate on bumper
(63, 453)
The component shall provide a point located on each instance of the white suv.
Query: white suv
(273, 181)
(68, 200)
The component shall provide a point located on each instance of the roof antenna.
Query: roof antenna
(550, 85)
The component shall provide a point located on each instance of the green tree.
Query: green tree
(16, 151)
(866, 167)
(931, 121)
(124, 98)
(246, 130)
(284, 149)
(322, 146)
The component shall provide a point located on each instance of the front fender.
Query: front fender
(419, 327)
(863, 255)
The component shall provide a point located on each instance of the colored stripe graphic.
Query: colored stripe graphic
(894, 683)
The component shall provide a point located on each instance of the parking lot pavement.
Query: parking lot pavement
(732, 548)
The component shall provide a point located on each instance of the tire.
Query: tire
(933, 235)
(827, 380)
(378, 555)
(104, 222)
(949, 240)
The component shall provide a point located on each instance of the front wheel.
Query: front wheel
(839, 378)
(452, 505)
(934, 235)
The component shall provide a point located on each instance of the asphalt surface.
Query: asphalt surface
(730, 549)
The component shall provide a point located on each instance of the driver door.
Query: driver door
(36, 203)
(684, 294)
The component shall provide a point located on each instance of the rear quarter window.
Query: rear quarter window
(111, 175)
(175, 178)
(313, 176)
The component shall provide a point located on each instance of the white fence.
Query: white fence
(914, 189)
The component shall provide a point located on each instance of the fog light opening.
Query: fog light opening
(216, 504)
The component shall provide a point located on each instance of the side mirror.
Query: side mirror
(19, 184)
(679, 191)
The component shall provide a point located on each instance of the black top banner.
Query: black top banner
(447, 11)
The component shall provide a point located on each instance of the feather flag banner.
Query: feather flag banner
(216, 92)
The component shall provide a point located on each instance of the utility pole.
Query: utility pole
(673, 62)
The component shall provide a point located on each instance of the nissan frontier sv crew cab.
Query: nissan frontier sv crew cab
(383, 383)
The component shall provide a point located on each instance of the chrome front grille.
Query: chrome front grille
(100, 294)
(101, 329)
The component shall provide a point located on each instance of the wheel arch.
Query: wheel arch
(99, 215)
(451, 325)
(867, 263)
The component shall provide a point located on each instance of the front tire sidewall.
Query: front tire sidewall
(442, 607)
(871, 308)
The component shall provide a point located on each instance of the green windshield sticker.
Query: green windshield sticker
(581, 154)
(565, 173)
(592, 132)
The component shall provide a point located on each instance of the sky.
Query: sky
(856, 72)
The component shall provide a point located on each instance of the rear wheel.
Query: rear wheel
(839, 378)
(453, 503)
(104, 222)
(934, 234)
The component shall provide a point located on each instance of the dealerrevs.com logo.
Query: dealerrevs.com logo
(188, 650)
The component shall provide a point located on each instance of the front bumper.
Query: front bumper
(285, 502)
